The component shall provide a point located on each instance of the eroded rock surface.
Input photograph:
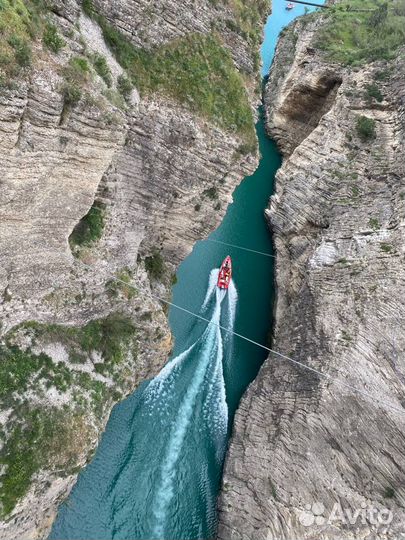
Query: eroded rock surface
(160, 175)
(305, 446)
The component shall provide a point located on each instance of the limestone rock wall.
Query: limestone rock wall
(303, 444)
(150, 164)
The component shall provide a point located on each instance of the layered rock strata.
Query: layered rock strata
(157, 172)
(310, 457)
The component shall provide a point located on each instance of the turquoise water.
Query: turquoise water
(157, 469)
(280, 17)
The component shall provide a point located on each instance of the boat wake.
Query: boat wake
(170, 446)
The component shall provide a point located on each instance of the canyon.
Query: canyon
(103, 194)
(122, 139)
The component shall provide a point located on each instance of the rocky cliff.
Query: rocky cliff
(114, 159)
(309, 457)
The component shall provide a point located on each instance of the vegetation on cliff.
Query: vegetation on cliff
(18, 24)
(249, 16)
(359, 31)
(365, 128)
(196, 70)
(89, 229)
(46, 432)
(21, 22)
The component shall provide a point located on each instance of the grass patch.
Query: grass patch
(78, 70)
(22, 51)
(155, 265)
(365, 128)
(249, 16)
(387, 248)
(20, 23)
(375, 32)
(382, 74)
(373, 92)
(124, 86)
(374, 224)
(89, 229)
(195, 70)
(100, 65)
(115, 98)
(110, 337)
(52, 38)
(41, 438)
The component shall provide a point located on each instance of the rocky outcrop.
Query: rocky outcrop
(321, 456)
(156, 171)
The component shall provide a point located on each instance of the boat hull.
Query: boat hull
(225, 273)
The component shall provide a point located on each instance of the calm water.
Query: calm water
(156, 472)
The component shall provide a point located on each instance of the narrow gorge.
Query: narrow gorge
(139, 146)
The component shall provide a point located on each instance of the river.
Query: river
(157, 470)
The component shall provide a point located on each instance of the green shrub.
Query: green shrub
(373, 91)
(90, 227)
(77, 75)
(102, 69)
(124, 86)
(355, 191)
(121, 285)
(387, 248)
(245, 149)
(78, 70)
(22, 50)
(382, 75)
(52, 39)
(211, 193)
(374, 224)
(88, 8)
(71, 94)
(33, 443)
(365, 128)
(155, 265)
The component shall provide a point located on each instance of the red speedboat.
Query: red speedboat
(289, 6)
(225, 273)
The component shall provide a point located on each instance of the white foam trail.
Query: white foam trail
(212, 348)
(232, 302)
(212, 283)
(156, 385)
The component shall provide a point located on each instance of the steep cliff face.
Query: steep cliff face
(308, 453)
(102, 178)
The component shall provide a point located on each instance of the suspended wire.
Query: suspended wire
(239, 247)
(280, 355)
